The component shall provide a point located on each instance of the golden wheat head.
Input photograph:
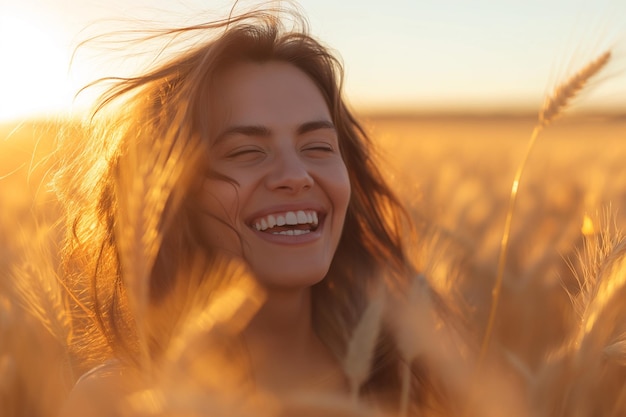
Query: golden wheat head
(556, 102)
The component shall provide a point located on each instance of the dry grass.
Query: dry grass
(362, 345)
(558, 345)
(554, 105)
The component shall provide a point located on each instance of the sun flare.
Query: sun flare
(34, 67)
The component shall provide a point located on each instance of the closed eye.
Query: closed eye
(245, 154)
(319, 147)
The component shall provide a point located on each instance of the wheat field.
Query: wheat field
(454, 173)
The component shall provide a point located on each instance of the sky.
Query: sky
(399, 55)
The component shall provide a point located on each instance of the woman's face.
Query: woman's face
(284, 209)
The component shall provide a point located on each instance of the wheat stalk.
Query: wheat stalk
(37, 288)
(362, 345)
(605, 306)
(418, 306)
(553, 106)
(142, 197)
(225, 300)
(591, 363)
(35, 327)
(616, 351)
(147, 199)
(204, 362)
(598, 248)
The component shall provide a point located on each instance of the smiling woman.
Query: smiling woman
(237, 153)
(34, 69)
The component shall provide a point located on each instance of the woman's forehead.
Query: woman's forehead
(268, 93)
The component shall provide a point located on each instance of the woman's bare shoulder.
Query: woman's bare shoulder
(100, 392)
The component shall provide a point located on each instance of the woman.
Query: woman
(240, 148)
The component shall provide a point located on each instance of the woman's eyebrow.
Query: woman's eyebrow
(246, 130)
(315, 125)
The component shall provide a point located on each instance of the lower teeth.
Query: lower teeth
(291, 232)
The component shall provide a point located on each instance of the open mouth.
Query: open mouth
(289, 223)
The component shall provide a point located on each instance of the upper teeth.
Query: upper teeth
(289, 218)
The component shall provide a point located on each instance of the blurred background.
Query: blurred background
(409, 56)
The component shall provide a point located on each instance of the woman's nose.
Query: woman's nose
(289, 173)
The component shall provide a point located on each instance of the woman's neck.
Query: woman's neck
(286, 317)
(285, 352)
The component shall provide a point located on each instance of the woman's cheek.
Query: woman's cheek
(219, 198)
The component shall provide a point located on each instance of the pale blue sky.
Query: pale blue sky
(485, 55)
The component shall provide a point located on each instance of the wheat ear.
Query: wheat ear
(556, 102)
(362, 345)
(605, 305)
(148, 176)
(37, 288)
(553, 106)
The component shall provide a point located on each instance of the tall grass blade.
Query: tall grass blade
(554, 105)
(362, 345)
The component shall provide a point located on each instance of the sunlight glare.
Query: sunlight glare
(34, 71)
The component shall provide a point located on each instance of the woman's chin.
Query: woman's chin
(288, 280)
